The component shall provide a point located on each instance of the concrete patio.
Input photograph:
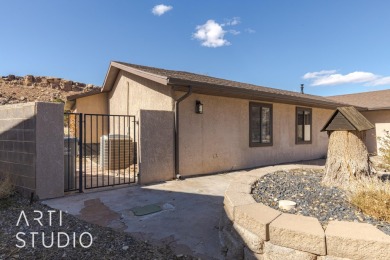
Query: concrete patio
(188, 222)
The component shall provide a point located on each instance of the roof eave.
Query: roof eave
(116, 67)
(378, 108)
(219, 90)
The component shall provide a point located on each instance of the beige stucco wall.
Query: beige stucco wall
(381, 120)
(130, 94)
(218, 139)
(157, 151)
(96, 104)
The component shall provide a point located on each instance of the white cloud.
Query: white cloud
(161, 9)
(313, 75)
(331, 77)
(211, 34)
(234, 32)
(232, 22)
(380, 82)
(249, 30)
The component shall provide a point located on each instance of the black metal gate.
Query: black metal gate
(104, 151)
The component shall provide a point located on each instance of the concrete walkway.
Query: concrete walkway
(188, 222)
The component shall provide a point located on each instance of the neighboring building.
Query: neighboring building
(222, 125)
(378, 113)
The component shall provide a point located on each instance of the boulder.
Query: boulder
(55, 85)
(28, 80)
(66, 85)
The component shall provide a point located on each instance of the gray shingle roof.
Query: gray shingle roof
(221, 85)
(373, 100)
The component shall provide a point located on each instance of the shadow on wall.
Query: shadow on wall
(31, 148)
(17, 153)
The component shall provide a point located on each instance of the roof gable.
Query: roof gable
(346, 119)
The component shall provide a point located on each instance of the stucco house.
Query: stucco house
(377, 112)
(191, 124)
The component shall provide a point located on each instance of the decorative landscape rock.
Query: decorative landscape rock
(287, 204)
(313, 199)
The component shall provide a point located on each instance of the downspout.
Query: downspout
(177, 160)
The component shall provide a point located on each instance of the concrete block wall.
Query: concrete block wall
(251, 230)
(31, 148)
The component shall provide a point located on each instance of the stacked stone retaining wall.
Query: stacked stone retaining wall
(251, 230)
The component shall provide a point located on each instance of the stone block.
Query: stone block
(260, 172)
(29, 123)
(298, 232)
(274, 252)
(328, 257)
(29, 136)
(249, 255)
(234, 199)
(256, 217)
(228, 210)
(246, 179)
(356, 241)
(22, 170)
(28, 182)
(239, 187)
(251, 240)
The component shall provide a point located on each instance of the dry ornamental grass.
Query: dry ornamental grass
(6, 188)
(372, 197)
(385, 147)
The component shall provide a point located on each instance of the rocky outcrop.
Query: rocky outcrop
(46, 82)
(30, 88)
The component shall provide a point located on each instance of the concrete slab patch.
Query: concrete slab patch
(146, 210)
(97, 213)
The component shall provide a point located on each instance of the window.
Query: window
(260, 124)
(303, 125)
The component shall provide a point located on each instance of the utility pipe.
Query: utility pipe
(177, 174)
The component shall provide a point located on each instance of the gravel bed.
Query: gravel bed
(314, 200)
(107, 243)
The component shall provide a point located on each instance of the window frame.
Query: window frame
(261, 105)
(296, 125)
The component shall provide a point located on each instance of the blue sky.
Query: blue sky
(333, 47)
